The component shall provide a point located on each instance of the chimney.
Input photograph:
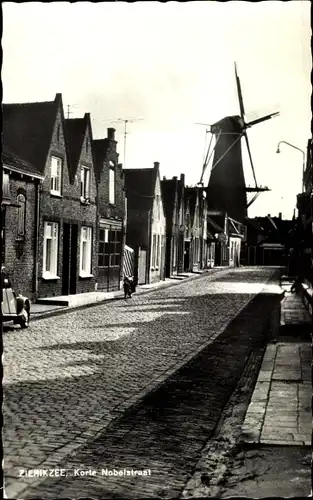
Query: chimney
(111, 134)
(175, 178)
(156, 164)
(164, 178)
(182, 178)
(280, 215)
(268, 215)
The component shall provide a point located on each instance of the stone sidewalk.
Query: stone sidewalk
(280, 409)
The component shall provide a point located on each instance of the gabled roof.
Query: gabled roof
(140, 187)
(100, 147)
(75, 131)
(169, 188)
(28, 128)
(255, 224)
(100, 151)
(16, 164)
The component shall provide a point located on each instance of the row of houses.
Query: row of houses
(75, 221)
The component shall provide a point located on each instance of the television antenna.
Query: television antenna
(126, 121)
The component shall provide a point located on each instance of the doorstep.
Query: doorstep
(79, 299)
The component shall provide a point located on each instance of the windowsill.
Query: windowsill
(20, 239)
(112, 204)
(50, 276)
(84, 201)
(55, 194)
(85, 275)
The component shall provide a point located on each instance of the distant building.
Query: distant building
(111, 212)
(146, 226)
(268, 238)
(229, 237)
(173, 202)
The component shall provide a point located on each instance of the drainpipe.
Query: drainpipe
(36, 249)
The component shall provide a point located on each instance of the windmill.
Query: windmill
(227, 190)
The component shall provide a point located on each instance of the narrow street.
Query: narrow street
(137, 384)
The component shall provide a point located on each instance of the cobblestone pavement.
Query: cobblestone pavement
(68, 377)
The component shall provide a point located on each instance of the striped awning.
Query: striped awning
(129, 261)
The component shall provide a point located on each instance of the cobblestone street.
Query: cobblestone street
(68, 377)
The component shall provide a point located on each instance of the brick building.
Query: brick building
(111, 212)
(36, 133)
(173, 202)
(194, 230)
(146, 227)
(80, 210)
(21, 189)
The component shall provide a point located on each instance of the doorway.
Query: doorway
(187, 256)
(66, 259)
(73, 266)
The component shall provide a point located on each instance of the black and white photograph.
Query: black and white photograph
(156, 249)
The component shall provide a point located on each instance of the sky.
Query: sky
(165, 67)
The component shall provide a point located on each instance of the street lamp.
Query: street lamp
(303, 163)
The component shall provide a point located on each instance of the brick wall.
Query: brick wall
(20, 255)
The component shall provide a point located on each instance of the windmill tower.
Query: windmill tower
(227, 190)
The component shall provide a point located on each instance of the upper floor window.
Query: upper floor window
(112, 184)
(56, 175)
(85, 183)
(21, 215)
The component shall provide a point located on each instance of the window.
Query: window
(153, 262)
(85, 183)
(50, 250)
(110, 247)
(21, 216)
(85, 251)
(112, 184)
(56, 175)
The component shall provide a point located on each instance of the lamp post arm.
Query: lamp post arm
(301, 151)
(292, 146)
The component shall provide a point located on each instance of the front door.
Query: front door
(73, 253)
(187, 256)
(66, 259)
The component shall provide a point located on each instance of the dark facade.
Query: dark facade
(37, 133)
(303, 245)
(20, 219)
(111, 212)
(173, 202)
(268, 240)
(146, 227)
(80, 210)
